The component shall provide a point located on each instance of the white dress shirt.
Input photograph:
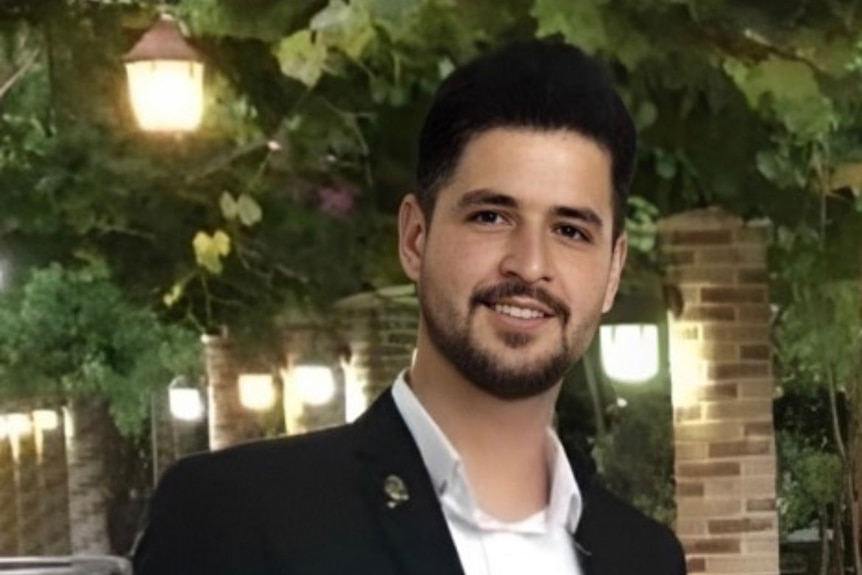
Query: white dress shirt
(542, 543)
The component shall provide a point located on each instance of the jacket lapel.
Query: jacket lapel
(400, 494)
(584, 538)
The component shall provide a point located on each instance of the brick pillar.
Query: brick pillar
(85, 422)
(27, 499)
(381, 328)
(8, 500)
(722, 381)
(53, 491)
(229, 422)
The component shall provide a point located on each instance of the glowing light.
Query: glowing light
(18, 424)
(46, 419)
(355, 400)
(630, 352)
(186, 400)
(257, 391)
(315, 383)
(166, 79)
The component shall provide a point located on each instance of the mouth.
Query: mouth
(520, 310)
(522, 303)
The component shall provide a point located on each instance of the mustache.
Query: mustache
(517, 288)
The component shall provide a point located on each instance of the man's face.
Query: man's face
(519, 263)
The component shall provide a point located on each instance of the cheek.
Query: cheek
(586, 284)
(457, 261)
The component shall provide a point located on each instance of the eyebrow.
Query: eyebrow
(484, 197)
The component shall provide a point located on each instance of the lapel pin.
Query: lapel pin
(396, 491)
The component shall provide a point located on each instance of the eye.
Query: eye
(486, 217)
(573, 233)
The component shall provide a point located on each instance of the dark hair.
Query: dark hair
(540, 85)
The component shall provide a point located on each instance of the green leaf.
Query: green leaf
(789, 90)
(302, 58)
(248, 210)
(580, 22)
(391, 11)
(646, 115)
(344, 26)
(174, 294)
(665, 165)
(228, 206)
(209, 250)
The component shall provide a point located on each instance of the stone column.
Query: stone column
(229, 422)
(8, 500)
(723, 386)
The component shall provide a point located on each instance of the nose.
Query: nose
(527, 256)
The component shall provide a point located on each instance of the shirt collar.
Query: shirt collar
(444, 464)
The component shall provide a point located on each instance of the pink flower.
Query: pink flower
(337, 200)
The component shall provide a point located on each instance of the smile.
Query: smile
(518, 312)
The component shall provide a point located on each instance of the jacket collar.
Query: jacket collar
(399, 491)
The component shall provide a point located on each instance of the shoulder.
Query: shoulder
(258, 465)
(209, 510)
(609, 524)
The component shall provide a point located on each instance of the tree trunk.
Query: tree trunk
(838, 534)
(824, 542)
(846, 501)
(88, 493)
(852, 508)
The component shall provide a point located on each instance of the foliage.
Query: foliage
(810, 482)
(72, 332)
(636, 457)
(285, 198)
(818, 338)
(264, 207)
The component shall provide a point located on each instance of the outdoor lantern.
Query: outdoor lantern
(630, 352)
(186, 400)
(315, 383)
(257, 391)
(46, 419)
(166, 80)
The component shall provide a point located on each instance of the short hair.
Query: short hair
(539, 85)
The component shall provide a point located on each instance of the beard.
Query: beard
(480, 366)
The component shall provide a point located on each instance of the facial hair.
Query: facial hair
(450, 333)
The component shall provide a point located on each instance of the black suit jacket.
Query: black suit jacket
(318, 504)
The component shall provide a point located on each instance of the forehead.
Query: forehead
(560, 167)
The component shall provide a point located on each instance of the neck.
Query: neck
(502, 443)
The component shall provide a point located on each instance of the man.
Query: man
(515, 242)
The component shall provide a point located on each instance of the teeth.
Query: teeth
(518, 312)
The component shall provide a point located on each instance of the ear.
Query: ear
(618, 260)
(412, 230)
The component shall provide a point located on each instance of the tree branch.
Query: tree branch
(29, 61)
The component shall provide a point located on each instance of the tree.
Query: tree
(70, 337)
(818, 342)
(72, 333)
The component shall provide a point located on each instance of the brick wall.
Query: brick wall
(229, 422)
(380, 328)
(8, 500)
(368, 339)
(722, 382)
(34, 507)
(53, 492)
(27, 487)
